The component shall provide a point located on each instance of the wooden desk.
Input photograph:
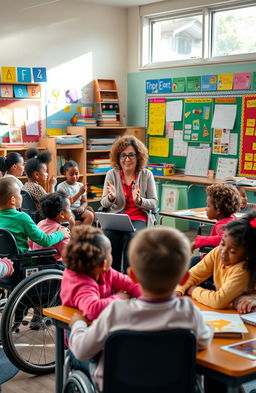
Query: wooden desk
(231, 369)
(178, 214)
(198, 180)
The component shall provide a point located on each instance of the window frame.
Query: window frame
(207, 37)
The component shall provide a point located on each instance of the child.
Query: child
(76, 192)
(89, 281)
(12, 165)
(21, 224)
(36, 170)
(233, 265)
(56, 208)
(244, 206)
(159, 260)
(223, 200)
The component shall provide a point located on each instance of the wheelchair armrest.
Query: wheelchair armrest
(38, 253)
(206, 249)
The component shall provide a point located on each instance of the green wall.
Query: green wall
(136, 84)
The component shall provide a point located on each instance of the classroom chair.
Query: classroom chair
(144, 362)
(28, 206)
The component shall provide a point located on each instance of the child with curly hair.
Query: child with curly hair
(55, 208)
(89, 283)
(233, 265)
(223, 200)
(36, 171)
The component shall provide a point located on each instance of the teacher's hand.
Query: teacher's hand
(136, 194)
(111, 191)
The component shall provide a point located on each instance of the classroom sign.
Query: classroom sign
(155, 86)
(248, 137)
(197, 120)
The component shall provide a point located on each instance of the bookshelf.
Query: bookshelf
(107, 102)
(4, 150)
(83, 155)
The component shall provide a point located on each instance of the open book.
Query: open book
(225, 325)
(241, 181)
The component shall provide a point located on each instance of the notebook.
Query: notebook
(225, 325)
(249, 318)
(113, 221)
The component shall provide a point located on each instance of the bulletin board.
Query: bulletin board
(248, 137)
(216, 139)
(197, 120)
(26, 113)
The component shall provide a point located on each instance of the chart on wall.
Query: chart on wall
(248, 137)
(197, 120)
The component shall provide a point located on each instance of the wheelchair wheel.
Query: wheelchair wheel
(78, 382)
(28, 337)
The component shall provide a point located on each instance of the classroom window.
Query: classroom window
(200, 36)
(177, 38)
(233, 31)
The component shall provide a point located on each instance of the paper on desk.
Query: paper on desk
(190, 213)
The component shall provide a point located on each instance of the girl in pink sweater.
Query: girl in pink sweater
(89, 283)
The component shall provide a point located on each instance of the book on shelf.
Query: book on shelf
(106, 165)
(225, 325)
(110, 100)
(99, 170)
(98, 160)
(240, 181)
(249, 318)
(246, 348)
(99, 147)
(100, 141)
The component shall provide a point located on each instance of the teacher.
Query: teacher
(129, 188)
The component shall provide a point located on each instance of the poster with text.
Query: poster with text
(197, 120)
(247, 160)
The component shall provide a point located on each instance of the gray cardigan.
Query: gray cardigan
(148, 193)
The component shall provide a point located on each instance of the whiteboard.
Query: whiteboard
(198, 160)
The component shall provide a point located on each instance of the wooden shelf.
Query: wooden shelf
(97, 151)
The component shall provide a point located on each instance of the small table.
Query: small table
(231, 369)
(197, 215)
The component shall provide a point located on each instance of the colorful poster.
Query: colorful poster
(193, 83)
(20, 91)
(225, 82)
(221, 141)
(242, 80)
(209, 82)
(9, 74)
(24, 74)
(178, 85)
(157, 108)
(247, 166)
(158, 147)
(197, 120)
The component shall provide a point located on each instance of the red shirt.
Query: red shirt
(133, 211)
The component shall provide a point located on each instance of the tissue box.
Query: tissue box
(162, 169)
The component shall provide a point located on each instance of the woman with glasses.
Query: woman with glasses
(129, 188)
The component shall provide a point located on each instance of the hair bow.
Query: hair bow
(253, 222)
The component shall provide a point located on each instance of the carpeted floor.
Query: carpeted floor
(7, 369)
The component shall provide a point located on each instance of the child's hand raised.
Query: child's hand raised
(111, 191)
(52, 181)
(77, 317)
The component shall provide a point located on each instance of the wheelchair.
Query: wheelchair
(28, 338)
(165, 361)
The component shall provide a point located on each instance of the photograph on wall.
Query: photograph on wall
(197, 120)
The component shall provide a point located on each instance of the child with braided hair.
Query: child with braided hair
(89, 283)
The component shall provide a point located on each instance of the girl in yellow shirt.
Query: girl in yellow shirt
(232, 264)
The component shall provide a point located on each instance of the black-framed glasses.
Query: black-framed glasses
(130, 156)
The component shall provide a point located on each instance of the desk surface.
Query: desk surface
(213, 358)
(197, 180)
(179, 214)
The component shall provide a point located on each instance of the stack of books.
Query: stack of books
(60, 162)
(86, 118)
(98, 143)
(98, 165)
(94, 191)
(109, 116)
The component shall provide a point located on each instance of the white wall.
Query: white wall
(77, 42)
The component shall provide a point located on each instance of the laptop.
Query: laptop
(114, 221)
